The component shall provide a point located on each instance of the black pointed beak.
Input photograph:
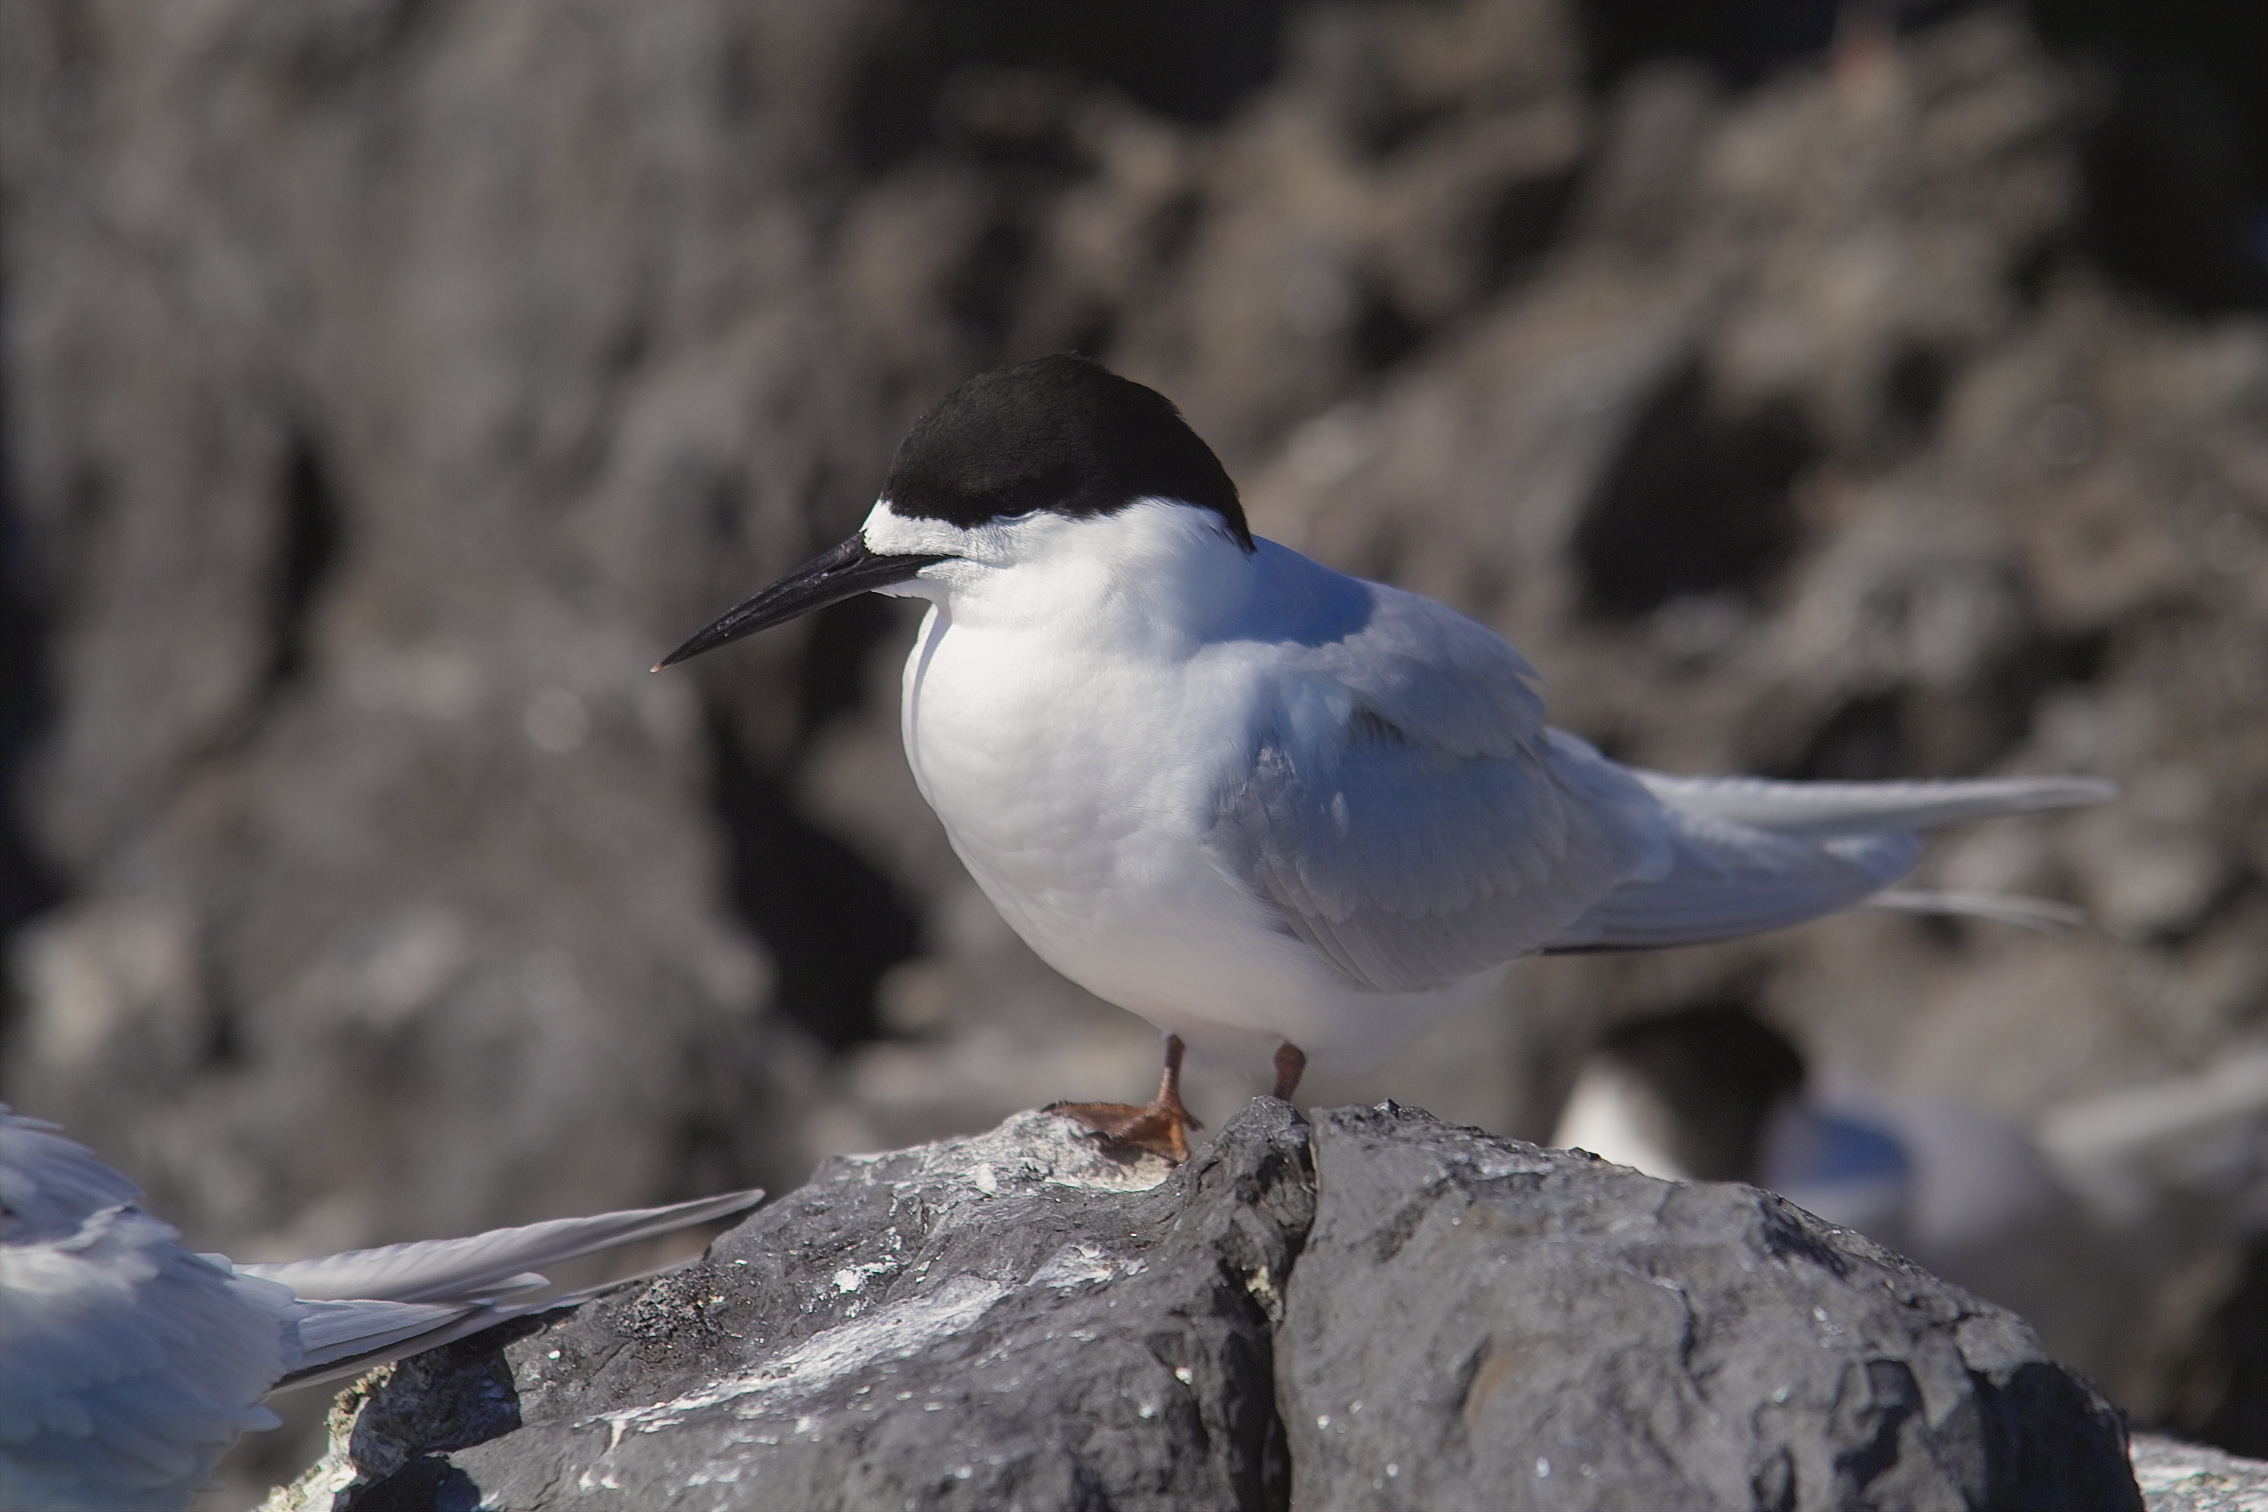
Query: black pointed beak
(836, 574)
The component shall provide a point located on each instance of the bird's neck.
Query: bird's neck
(1152, 579)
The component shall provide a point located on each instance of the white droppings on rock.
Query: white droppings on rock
(896, 1332)
(852, 1277)
(1083, 1264)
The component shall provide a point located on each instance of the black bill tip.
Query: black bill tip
(836, 574)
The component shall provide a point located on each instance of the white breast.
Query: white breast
(1076, 769)
(1076, 786)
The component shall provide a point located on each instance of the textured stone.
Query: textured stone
(1412, 1315)
(1479, 1323)
(1005, 1321)
(2179, 1477)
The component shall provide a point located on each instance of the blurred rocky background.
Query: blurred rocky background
(1822, 390)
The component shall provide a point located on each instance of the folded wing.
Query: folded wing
(1407, 814)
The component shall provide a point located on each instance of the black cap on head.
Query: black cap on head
(1063, 434)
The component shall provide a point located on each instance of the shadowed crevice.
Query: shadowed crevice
(1696, 501)
(308, 540)
(29, 882)
(832, 923)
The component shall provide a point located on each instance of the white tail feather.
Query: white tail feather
(1747, 854)
(364, 1308)
(485, 1265)
(1849, 808)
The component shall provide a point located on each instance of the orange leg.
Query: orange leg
(1291, 1064)
(1161, 1128)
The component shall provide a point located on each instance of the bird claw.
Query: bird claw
(1159, 1128)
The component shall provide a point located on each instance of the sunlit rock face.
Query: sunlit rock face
(1372, 1309)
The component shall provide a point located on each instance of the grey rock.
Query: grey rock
(1376, 1310)
(1475, 1322)
(1005, 1321)
(2179, 1477)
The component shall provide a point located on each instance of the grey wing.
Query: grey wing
(485, 1266)
(366, 1307)
(49, 1184)
(130, 1365)
(1749, 854)
(1406, 814)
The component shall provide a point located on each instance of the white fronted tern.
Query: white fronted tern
(1247, 797)
(132, 1364)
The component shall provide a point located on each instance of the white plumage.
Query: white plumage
(1242, 793)
(128, 1364)
(1246, 796)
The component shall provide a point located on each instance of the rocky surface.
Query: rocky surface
(2179, 1477)
(387, 384)
(1377, 1309)
(1474, 1322)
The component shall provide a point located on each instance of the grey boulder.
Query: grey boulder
(1479, 1323)
(1372, 1309)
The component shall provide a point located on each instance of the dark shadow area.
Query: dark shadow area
(28, 882)
(2176, 164)
(843, 641)
(1909, 731)
(832, 923)
(307, 549)
(1696, 501)
(2028, 1464)
(1893, 1400)
(1383, 334)
(1523, 223)
(983, 293)
(426, 1484)
(1189, 60)
(2229, 1385)
(1720, 1072)
(1741, 41)
(1863, 741)
(1914, 385)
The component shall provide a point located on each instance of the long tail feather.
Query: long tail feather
(1747, 854)
(1850, 808)
(480, 1267)
(1727, 880)
(335, 1331)
(472, 1279)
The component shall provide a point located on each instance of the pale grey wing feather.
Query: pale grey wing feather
(352, 1357)
(1425, 669)
(50, 1183)
(1849, 808)
(1753, 854)
(1727, 880)
(471, 1321)
(130, 1364)
(478, 1273)
(334, 1331)
(1405, 813)
(484, 1265)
